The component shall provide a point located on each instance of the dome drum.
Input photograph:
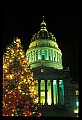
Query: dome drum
(48, 56)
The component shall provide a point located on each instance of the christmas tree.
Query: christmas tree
(19, 94)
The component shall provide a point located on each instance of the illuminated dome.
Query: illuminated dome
(43, 50)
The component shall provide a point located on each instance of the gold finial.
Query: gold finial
(43, 17)
(43, 23)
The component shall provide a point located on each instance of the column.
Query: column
(46, 55)
(56, 56)
(53, 55)
(39, 56)
(45, 92)
(39, 89)
(49, 55)
(58, 92)
(49, 99)
(35, 55)
(52, 97)
(32, 56)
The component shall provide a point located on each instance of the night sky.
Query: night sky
(23, 21)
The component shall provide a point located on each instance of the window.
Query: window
(49, 55)
(54, 58)
(37, 55)
(33, 55)
(42, 57)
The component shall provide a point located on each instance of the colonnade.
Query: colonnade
(44, 54)
(50, 92)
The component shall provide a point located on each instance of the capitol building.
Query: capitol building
(54, 86)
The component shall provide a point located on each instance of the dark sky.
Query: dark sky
(62, 20)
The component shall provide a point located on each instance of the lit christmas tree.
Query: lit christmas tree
(19, 94)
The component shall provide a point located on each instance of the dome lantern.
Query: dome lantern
(43, 25)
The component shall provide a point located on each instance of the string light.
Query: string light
(10, 60)
(18, 82)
